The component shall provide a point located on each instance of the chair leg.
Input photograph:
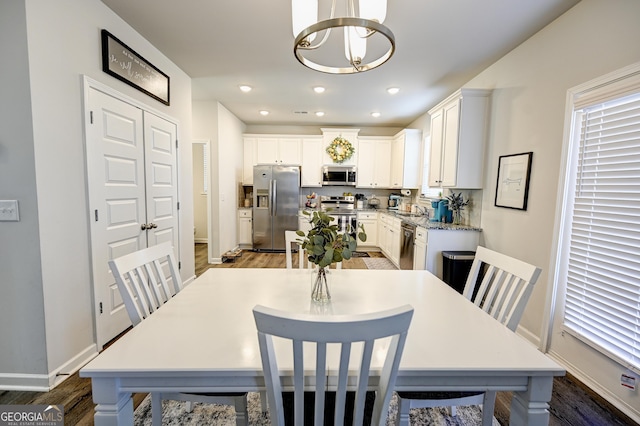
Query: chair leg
(242, 415)
(189, 406)
(156, 409)
(263, 402)
(402, 418)
(452, 410)
(488, 407)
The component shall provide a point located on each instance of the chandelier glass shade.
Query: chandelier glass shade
(362, 28)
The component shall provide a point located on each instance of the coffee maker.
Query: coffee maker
(441, 212)
(394, 201)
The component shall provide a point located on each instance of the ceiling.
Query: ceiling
(440, 45)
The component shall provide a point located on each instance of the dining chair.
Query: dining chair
(323, 337)
(147, 279)
(499, 285)
(291, 237)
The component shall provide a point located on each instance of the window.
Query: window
(601, 258)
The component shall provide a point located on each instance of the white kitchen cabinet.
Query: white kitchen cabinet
(420, 249)
(370, 222)
(329, 134)
(245, 228)
(374, 162)
(312, 161)
(303, 223)
(249, 160)
(406, 159)
(279, 150)
(458, 137)
(389, 237)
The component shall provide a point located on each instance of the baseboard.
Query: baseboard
(188, 280)
(529, 336)
(216, 260)
(201, 240)
(46, 382)
(630, 411)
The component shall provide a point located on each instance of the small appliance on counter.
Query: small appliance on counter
(360, 201)
(441, 212)
(373, 202)
(394, 201)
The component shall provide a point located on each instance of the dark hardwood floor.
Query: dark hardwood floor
(572, 403)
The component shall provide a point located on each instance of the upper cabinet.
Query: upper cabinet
(351, 135)
(279, 150)
(458, 137)
(406, 159)
(312, 161)
(249, 160)
(374, 162)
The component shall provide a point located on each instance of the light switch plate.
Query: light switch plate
(9, 211)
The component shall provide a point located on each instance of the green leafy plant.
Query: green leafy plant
(457, 201)
(324, 244)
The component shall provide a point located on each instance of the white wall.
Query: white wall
(211, 120)
(63, 44)
(527, 114)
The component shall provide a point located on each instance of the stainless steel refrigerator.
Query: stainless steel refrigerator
(276, 201)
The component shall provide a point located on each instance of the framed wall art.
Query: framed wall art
(123, 63)
(512, 188)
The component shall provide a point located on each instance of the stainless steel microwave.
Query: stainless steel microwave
(339, 175)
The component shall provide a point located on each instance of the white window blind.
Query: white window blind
(602, 305)
(205, 168)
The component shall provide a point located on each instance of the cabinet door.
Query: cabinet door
(450, 144)
(371, 229)
(419, 256)
(267, 151)
(366, 163)
(382, 168)
(290, 151)
(397, 162)
(435, 159)
(244, 231)
(311, 174)
(249, 161)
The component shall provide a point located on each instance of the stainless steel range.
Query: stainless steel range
(343, 209)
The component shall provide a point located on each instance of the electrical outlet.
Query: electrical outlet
(9, 211)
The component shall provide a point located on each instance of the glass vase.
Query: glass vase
(457, 217)
(320, 285)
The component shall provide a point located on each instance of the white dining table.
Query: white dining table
(205, 340)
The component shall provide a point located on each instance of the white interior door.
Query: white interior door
(133, 196)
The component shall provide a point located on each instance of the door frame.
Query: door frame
(89, 83)
(207, 143)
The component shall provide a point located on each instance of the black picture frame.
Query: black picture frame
(125, 64)
(512, 186)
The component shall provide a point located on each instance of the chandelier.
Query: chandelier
(361, 29)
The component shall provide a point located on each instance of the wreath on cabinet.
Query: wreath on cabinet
(340, 150)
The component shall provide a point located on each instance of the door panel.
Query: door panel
(115, 169)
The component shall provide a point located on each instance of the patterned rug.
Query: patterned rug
(175, 413)
(378, 263)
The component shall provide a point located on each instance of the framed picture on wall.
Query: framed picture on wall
(123, 63)
(512, 189)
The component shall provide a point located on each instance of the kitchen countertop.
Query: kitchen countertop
(416, 220)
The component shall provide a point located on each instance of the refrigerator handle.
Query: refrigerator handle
(274, 196)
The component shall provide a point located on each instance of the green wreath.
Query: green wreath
(340, 150)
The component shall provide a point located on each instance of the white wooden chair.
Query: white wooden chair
(147, 279)
(291, 237)
(503, 293)
(339, 332)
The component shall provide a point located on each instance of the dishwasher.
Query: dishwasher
(407, 233)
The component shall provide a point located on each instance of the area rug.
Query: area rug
(175, 413)
(359, 254)
(378, 263)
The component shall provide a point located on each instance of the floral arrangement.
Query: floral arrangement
(457, 201)
(340, 150)
(323, 243)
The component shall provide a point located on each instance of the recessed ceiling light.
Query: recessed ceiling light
(393, 90)
(264, 112)
(320, 113)
(318, 89)
(375, 114)
(245, 88)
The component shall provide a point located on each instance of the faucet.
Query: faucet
(422, 210)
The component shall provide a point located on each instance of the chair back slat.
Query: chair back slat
(142, 280)
(505, 287)
(326, 332)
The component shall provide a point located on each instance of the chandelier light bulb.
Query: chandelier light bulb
(304, 13)
(355, 47)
